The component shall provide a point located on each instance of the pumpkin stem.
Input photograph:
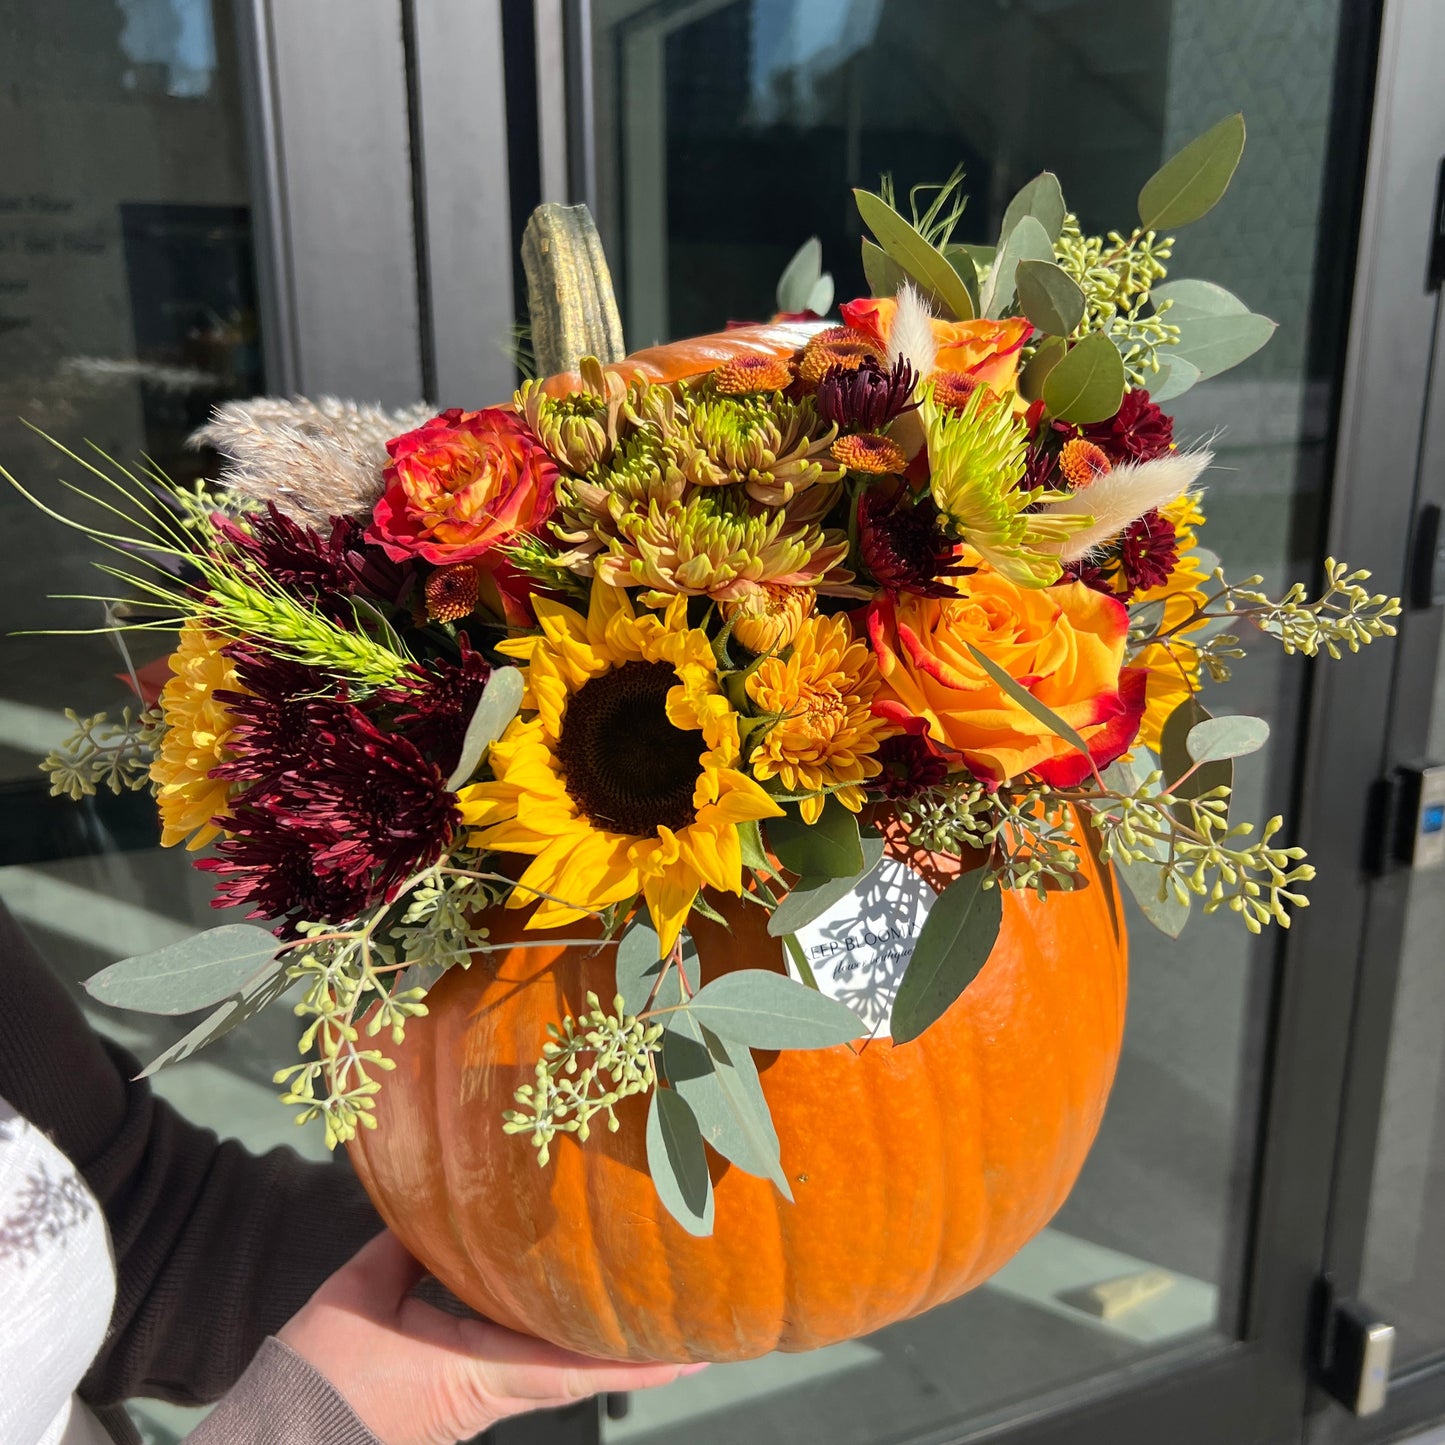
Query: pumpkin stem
(569, 290)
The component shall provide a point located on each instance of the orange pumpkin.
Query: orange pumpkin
(917, 1170)
(678, 360)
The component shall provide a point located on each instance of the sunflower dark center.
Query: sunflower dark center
(624, 764)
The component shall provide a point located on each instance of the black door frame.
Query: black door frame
(1416, 1396)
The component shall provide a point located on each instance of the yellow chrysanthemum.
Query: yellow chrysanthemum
(768, 619)
(826, 734)
(194, 742)
(621, 775)
(1174, 667)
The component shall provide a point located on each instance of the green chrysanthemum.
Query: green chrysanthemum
(582, 429)
(716, 544)
(776, 448)
(977, 460)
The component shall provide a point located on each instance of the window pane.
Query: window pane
(127, 310)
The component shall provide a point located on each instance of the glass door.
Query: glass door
(1386, 1257)
(723, 133)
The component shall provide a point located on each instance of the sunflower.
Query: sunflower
(1173, 667)
(622, 775)
(826, 734)
(194, 743)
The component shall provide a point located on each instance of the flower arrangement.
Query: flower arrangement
(632, 643)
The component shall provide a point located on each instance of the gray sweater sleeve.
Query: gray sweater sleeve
(281, 1400)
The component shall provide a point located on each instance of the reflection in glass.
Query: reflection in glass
(127, 309)
(728, 131)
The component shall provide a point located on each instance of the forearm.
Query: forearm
(281, 1400)
(215, 1249)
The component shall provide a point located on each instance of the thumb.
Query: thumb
(377, 1278)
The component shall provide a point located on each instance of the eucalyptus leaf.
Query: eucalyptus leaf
(820, 298)
(1196, 298)
(196, 973)
(1191, 183)
(828, 848)
(1218, 738)
(883, 274)
(1142, 879)
(677, 1162)
(1126, 775)
(1026, 700)
(1028, 241)
(771, 1011)
(1046, 357)
(921, 262)
(957, 937)
(1088, 383)
(498, 705)
(1213, 344)
(722, 1088)
(961, 259)
(1174, 378)
(810, 897)
(1049, 297)
(1175, 759)
(257, 995)
(800, 276)
(640, 965)
(1208, 563)
(1146, 617)
(1043, 199)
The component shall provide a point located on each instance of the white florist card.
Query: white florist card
(859, 948)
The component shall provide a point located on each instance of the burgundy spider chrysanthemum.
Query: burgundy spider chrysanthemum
(1139, 431)
(867, 397)
(437, 700)
(276, 717)
(1148, 552)
(328, 841)
(323, 570)
(1092, 574)
(270, 867)
(902, 544)
(911, 765)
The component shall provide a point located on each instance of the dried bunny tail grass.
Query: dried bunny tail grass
(911, 334)
(314, 459)
(1116, 498)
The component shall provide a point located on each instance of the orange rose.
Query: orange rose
(983, 351)
(1065, 644)
(460, 484)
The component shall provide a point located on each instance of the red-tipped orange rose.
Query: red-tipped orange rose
(983, 351)
(460, 484)
(1064, 644)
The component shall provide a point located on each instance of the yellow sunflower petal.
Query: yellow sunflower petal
(669, 895)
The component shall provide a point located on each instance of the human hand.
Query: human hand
(417, 1376)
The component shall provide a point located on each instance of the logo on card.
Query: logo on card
(859, 948)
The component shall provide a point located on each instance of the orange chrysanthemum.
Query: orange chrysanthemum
(1081, 462)
(837, 346)
(744, 375)
(826, 734)
(451, 592)
(952, 389)
(869, 452)
(194, 742)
